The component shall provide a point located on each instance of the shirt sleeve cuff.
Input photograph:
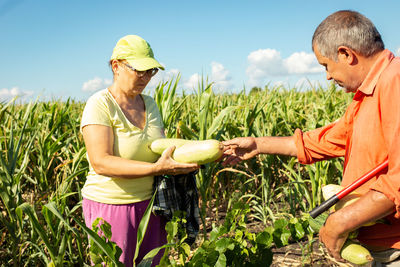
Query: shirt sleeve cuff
(301, 153)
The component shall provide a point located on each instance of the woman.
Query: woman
(118, 124)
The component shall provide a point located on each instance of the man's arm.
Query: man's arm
(277, 145)
(244, 148)
(370, 207)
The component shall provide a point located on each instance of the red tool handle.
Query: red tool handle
(345, 191)
(360, 181)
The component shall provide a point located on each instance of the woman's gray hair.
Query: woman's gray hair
(347, 28)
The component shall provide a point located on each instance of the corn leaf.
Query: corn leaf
(28, 210)
(143, 227)
(99, 241)
(218, 121)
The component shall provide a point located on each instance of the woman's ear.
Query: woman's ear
(114, 66)
(347, 55)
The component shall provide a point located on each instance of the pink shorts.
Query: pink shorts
(124, 220)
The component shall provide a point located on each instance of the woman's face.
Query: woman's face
(131, 81)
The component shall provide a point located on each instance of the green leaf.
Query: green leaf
(223, 244)
(51, 206)
(152, 253)
(186, 248)
(263, 257)
(245, 251)
(203, 110)
(106, 230)
(188, 133)
(143, 226)
(221, 262)
(145, 262)
(285, 237)
(238, 235)
(281, 223)
(28, 209)
(63, 246)
(95, 257)
(299, 231)
(217, 232)
(318, 222)
(172, 230)
(264, 238)
(218, 120)
(106, 248)
(281, 237)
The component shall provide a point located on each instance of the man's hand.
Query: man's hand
(239, 149)
(369, 208)
(332, 239)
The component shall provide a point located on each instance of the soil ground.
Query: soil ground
(294, 255)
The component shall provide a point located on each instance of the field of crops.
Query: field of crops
(247, 210)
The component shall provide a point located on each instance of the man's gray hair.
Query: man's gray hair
(347, 28)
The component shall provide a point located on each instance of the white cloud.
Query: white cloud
(267, 63)
(220, 76)
(398, 52)
(192, 82)
(95, 84)
(302, 63)
(8, 94)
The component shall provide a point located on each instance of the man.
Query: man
(350, 48)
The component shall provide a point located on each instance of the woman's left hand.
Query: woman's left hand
(167, 165)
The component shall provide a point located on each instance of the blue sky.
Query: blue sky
(58, 49)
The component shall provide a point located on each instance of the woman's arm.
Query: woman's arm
(99, 142)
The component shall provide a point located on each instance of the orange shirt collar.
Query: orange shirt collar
(369, 83)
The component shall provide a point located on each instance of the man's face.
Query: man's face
(341, 71)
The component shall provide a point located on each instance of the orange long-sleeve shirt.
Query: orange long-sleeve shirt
(367, 134)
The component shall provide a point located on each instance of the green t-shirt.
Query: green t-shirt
(130, 142)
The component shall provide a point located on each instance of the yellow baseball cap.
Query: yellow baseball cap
(137, 52)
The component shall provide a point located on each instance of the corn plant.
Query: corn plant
(56, 236)
(43, 165)
(15, 147)
(21, 143)
(169, 105)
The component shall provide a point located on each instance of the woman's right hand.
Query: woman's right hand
(167, 165)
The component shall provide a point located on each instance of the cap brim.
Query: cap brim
(144, 64)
